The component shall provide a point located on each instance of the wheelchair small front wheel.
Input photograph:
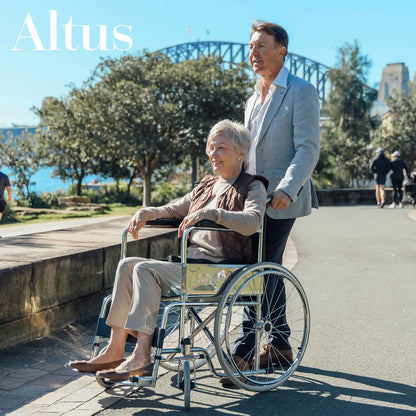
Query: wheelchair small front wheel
(263, 318)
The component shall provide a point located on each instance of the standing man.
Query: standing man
(398, 166)
(283, 117)
(380, 166)
(4, 184)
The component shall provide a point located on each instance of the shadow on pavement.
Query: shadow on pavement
(311, 391)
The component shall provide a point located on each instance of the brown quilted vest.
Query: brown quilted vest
(236, 246)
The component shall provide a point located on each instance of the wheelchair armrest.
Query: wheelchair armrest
(165, 222)
(209, 224)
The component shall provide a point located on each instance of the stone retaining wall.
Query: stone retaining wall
(43, 296)
(327, 197)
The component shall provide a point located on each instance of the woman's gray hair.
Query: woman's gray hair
(233, 130)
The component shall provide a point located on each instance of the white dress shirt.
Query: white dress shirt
(258, 114)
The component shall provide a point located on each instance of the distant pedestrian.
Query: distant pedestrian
(380, 166)
(4, 184)
(398, 166)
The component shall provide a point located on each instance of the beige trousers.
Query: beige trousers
(138, 287)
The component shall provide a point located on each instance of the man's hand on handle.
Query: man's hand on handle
(280, 200)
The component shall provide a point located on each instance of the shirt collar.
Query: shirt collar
(279, 81)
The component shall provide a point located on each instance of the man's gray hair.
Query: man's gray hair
(233, 130)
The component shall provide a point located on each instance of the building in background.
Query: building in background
(395, 78)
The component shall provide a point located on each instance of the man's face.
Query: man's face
(266, 56)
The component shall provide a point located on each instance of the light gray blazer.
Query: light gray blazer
(288, 145)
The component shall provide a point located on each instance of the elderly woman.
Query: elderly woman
(231, 198)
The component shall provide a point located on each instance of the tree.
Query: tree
(209, 93)
(140, 122)
(399, 133)
(23, 154)
(345, 138)
(138, 115)
(154, 113)
(67, 136)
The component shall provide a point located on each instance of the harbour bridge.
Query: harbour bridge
(234, 53)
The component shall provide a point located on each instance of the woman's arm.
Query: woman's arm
(177, 209)
(245, 222)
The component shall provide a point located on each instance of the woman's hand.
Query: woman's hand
(190, 220)
(138, 220)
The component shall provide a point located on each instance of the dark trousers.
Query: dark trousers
(397, 190)
(277, 233)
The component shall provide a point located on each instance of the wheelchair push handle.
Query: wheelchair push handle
(123, 252)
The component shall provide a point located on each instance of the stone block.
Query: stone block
(138, 248)
(44, 322)
(163, 246)
(16, 290)
(63, 279)
(111, 259)
(49, 294)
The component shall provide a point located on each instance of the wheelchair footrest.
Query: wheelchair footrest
(141, 381)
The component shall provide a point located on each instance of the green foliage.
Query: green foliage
(67, 135)
(209, 93)
(347, 134)
(47, 199)
(8, 215)
(138, 120)
(110, 193)
(23, 154)
(401, 135)
(137, 115)
(168, 191)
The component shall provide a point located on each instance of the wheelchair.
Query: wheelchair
(207, 317)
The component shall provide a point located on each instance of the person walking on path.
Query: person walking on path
(4, 185)
(398, 165)
(380, 166)
(283, 117)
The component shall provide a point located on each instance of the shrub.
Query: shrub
(108, 194)
(47, 199)
(167, 191)
(8, 215)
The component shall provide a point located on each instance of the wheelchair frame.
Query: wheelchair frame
(207, 318)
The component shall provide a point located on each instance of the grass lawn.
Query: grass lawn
(114, 210)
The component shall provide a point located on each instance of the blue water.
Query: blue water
(44, 182)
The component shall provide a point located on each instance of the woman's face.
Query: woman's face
(225, 160)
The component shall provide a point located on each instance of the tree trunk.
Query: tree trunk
(194, 171)
(78, 190)
(147, 190)
(129, 188)
(29, 199)
(80, 178)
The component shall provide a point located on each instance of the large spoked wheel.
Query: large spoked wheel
(203, 338)
(263, 306)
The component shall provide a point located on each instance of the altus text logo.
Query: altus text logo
(120, 40)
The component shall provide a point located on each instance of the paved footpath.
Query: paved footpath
(357, 265)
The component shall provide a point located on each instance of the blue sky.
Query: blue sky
(385, 30)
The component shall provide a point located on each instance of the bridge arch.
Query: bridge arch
(233, 53)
